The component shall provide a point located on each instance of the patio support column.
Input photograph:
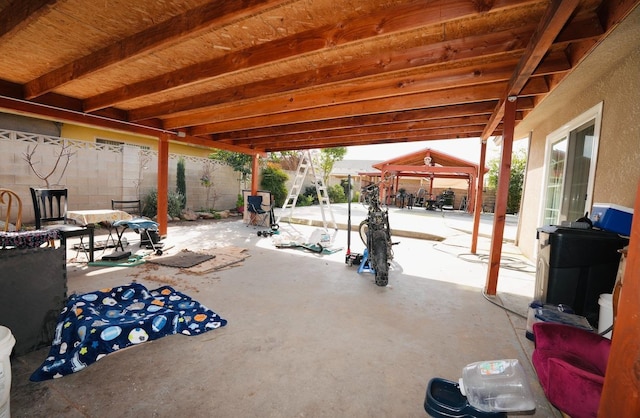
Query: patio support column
(477, 211)
(471, 193)
(621, 389)
(499, 215)
(163, 183)
(255, 173)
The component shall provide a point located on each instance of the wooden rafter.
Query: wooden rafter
(22, 13)
(418, 59)
(550, 26)
(187, 25)
(405, 17)
(479, 108)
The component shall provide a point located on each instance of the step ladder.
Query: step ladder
(306, 164)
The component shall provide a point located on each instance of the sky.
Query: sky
(467, 149)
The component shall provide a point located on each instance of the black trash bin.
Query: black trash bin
(575, 266)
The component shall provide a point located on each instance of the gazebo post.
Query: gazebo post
(431, 184)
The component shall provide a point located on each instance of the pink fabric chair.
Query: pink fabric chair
(570, 363)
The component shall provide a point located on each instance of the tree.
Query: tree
(241, 163)
(328, 157)
(206, 180)
(516, 180)
(288, 160)
(64, 156)
(181, 183)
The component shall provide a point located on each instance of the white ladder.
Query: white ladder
(306, 163)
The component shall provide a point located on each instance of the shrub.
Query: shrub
(150, 204)
(304, 200)
(311, 194)
(336, 194)
(274, 180)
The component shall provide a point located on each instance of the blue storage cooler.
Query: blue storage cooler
(613, 218)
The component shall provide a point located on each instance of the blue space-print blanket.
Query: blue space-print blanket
(95, 324)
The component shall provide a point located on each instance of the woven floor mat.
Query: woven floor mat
(184, 259)
(225, 257)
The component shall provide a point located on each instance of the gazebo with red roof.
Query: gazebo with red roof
(432, 164)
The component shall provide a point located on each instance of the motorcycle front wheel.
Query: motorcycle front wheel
(362, 231)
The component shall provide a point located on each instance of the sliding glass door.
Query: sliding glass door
(570, 168)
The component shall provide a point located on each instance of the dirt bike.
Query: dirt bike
(376, 234)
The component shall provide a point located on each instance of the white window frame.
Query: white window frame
(594, 114)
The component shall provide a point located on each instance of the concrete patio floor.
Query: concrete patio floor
(307, 335)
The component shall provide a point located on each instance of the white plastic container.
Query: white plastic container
(7, 341)
(497, 386)
(605, 318)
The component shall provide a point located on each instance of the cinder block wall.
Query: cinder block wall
(98, 173)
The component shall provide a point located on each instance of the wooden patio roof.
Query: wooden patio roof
(272, 75)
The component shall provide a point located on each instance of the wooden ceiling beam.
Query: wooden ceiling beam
(364, 129)
(207, 143)
(226, 131)
(279, 112)
(400, 18)
(554, 19)
(379, 89)
(185, 26)
(391, 136)
(344, 142)
(276, 115)
(24, 107)
(507, 42)
(22, 13)
(404, 127)
(523, 103)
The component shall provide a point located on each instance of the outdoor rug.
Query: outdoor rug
(184, 259)
(95, 324)
(225, 257)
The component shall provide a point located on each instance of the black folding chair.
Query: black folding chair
(50, 207)
(258, 216)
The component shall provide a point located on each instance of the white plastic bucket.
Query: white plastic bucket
(605, 319)
(7, 341)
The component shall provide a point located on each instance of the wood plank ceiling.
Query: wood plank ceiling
(274, 75)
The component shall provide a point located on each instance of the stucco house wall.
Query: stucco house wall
(611, 75)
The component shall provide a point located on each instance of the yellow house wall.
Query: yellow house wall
(611, 75)
(90, 134)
